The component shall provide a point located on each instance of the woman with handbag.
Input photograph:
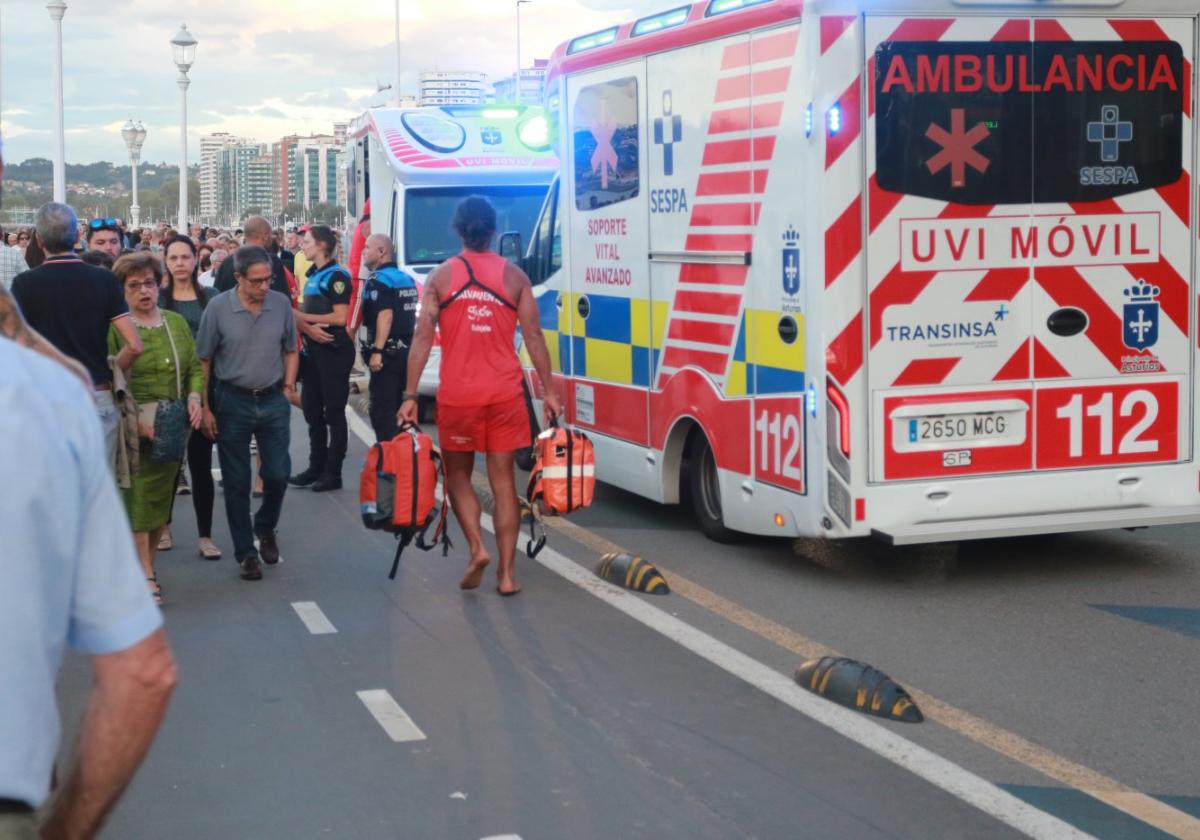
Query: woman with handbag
(182, 293)
(166, 381)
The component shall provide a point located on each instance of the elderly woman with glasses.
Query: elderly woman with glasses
(169, 370)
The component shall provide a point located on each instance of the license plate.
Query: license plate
(957, 428)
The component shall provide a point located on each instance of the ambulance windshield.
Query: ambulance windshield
(428, 235)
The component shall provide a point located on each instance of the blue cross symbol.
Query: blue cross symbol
(1110, 133)
(1001, 313)
(660, 133)
(491, 136)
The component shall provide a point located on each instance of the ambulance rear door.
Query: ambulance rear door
(1111, 241)
(948, 314)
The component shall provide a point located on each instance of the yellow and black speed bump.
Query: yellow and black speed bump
(632, 572)
(858, 686)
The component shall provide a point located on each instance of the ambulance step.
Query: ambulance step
(1047, 523)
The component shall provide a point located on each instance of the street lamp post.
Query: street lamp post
(183, 50)
(399, 96)
(58, 8)
(134, 134)
(517, 78)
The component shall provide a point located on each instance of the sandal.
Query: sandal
(165, 542)
(209, 551)
(155, 590)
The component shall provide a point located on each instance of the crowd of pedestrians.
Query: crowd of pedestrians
(186, 341)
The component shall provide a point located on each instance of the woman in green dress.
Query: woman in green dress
(167, 370)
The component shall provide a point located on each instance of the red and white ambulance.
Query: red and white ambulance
(919, 270)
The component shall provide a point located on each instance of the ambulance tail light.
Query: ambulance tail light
(842, 409)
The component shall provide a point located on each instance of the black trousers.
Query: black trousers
(386, 388)
(199, 461)
(326, 390)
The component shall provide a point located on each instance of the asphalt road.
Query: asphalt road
(1061, 671)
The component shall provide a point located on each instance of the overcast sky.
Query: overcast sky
(264, 68)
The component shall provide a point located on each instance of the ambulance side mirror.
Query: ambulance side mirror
(510, 247)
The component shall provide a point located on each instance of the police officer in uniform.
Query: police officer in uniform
(389, 313)
(330, 357)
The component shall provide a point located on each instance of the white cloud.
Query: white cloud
(264, 68)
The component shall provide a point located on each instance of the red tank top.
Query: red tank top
(478, 325)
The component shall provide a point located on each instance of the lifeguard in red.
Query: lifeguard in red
(476, 301)
(481, 405)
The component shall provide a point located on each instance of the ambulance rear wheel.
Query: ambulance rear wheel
(704, 486)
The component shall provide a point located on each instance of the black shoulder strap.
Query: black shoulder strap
(471, 281)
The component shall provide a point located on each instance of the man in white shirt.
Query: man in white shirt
(68, 576)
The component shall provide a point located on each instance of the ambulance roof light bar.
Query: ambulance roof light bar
(720, 7)
(661, 21)
(592, 40)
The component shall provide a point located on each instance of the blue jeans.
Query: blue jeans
(269, 419)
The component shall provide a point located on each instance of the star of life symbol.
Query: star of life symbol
(791, 262)
(604, 160)
(491, 136)
(1140, 321)
(958, 148)
(1001, 313)
(1110, 132)
(668, 140)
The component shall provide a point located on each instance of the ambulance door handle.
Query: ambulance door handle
(701, 257)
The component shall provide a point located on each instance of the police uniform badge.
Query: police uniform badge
(339, 286)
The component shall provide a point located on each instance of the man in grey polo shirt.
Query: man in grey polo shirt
(69, 577)
(247, 346)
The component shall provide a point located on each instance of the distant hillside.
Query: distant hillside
(102, 174)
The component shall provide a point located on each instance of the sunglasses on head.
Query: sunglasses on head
(103, 224)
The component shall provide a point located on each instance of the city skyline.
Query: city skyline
(252, 39)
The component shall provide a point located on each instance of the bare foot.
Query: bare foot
(506, 586)
(474, 576)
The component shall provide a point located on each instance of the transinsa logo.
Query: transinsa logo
(942, 331)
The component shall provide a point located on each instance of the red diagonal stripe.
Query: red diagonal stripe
(851, 104)
(881, 203)
(728, 120)
(927, 371)
(1149, 30)
(732, 183)
(720, 275)
(734, 213)
(844, 356)
(766, 116)
(1000, 284)
(1178, 197)
(719, 242)
(721, 152)
(702, 332)
(1068, 288)
(762, 83)
(843, 241)
(832, 28)
(1017, 367)
(1016, 29)
(708, 303)
(897, 288)
(1045, 366)
(679, 357)
(761, 50)
(921, 29)
(1045, 29)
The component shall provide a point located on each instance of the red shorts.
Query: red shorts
(499, 427)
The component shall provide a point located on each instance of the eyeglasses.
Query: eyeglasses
(145, 284)
(23, 237)
(103, 224)
(264, 281)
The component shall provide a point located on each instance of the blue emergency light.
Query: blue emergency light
(808, 121)
(835, 120)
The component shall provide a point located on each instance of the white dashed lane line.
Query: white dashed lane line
(394, 720)
(313, 618)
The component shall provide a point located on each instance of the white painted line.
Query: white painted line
(394, 720)
(938, 771)
(313, 618)
(360, 427)
(503, 837)
(931, 767)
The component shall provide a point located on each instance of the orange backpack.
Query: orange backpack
(398, 489)
(563, 478)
